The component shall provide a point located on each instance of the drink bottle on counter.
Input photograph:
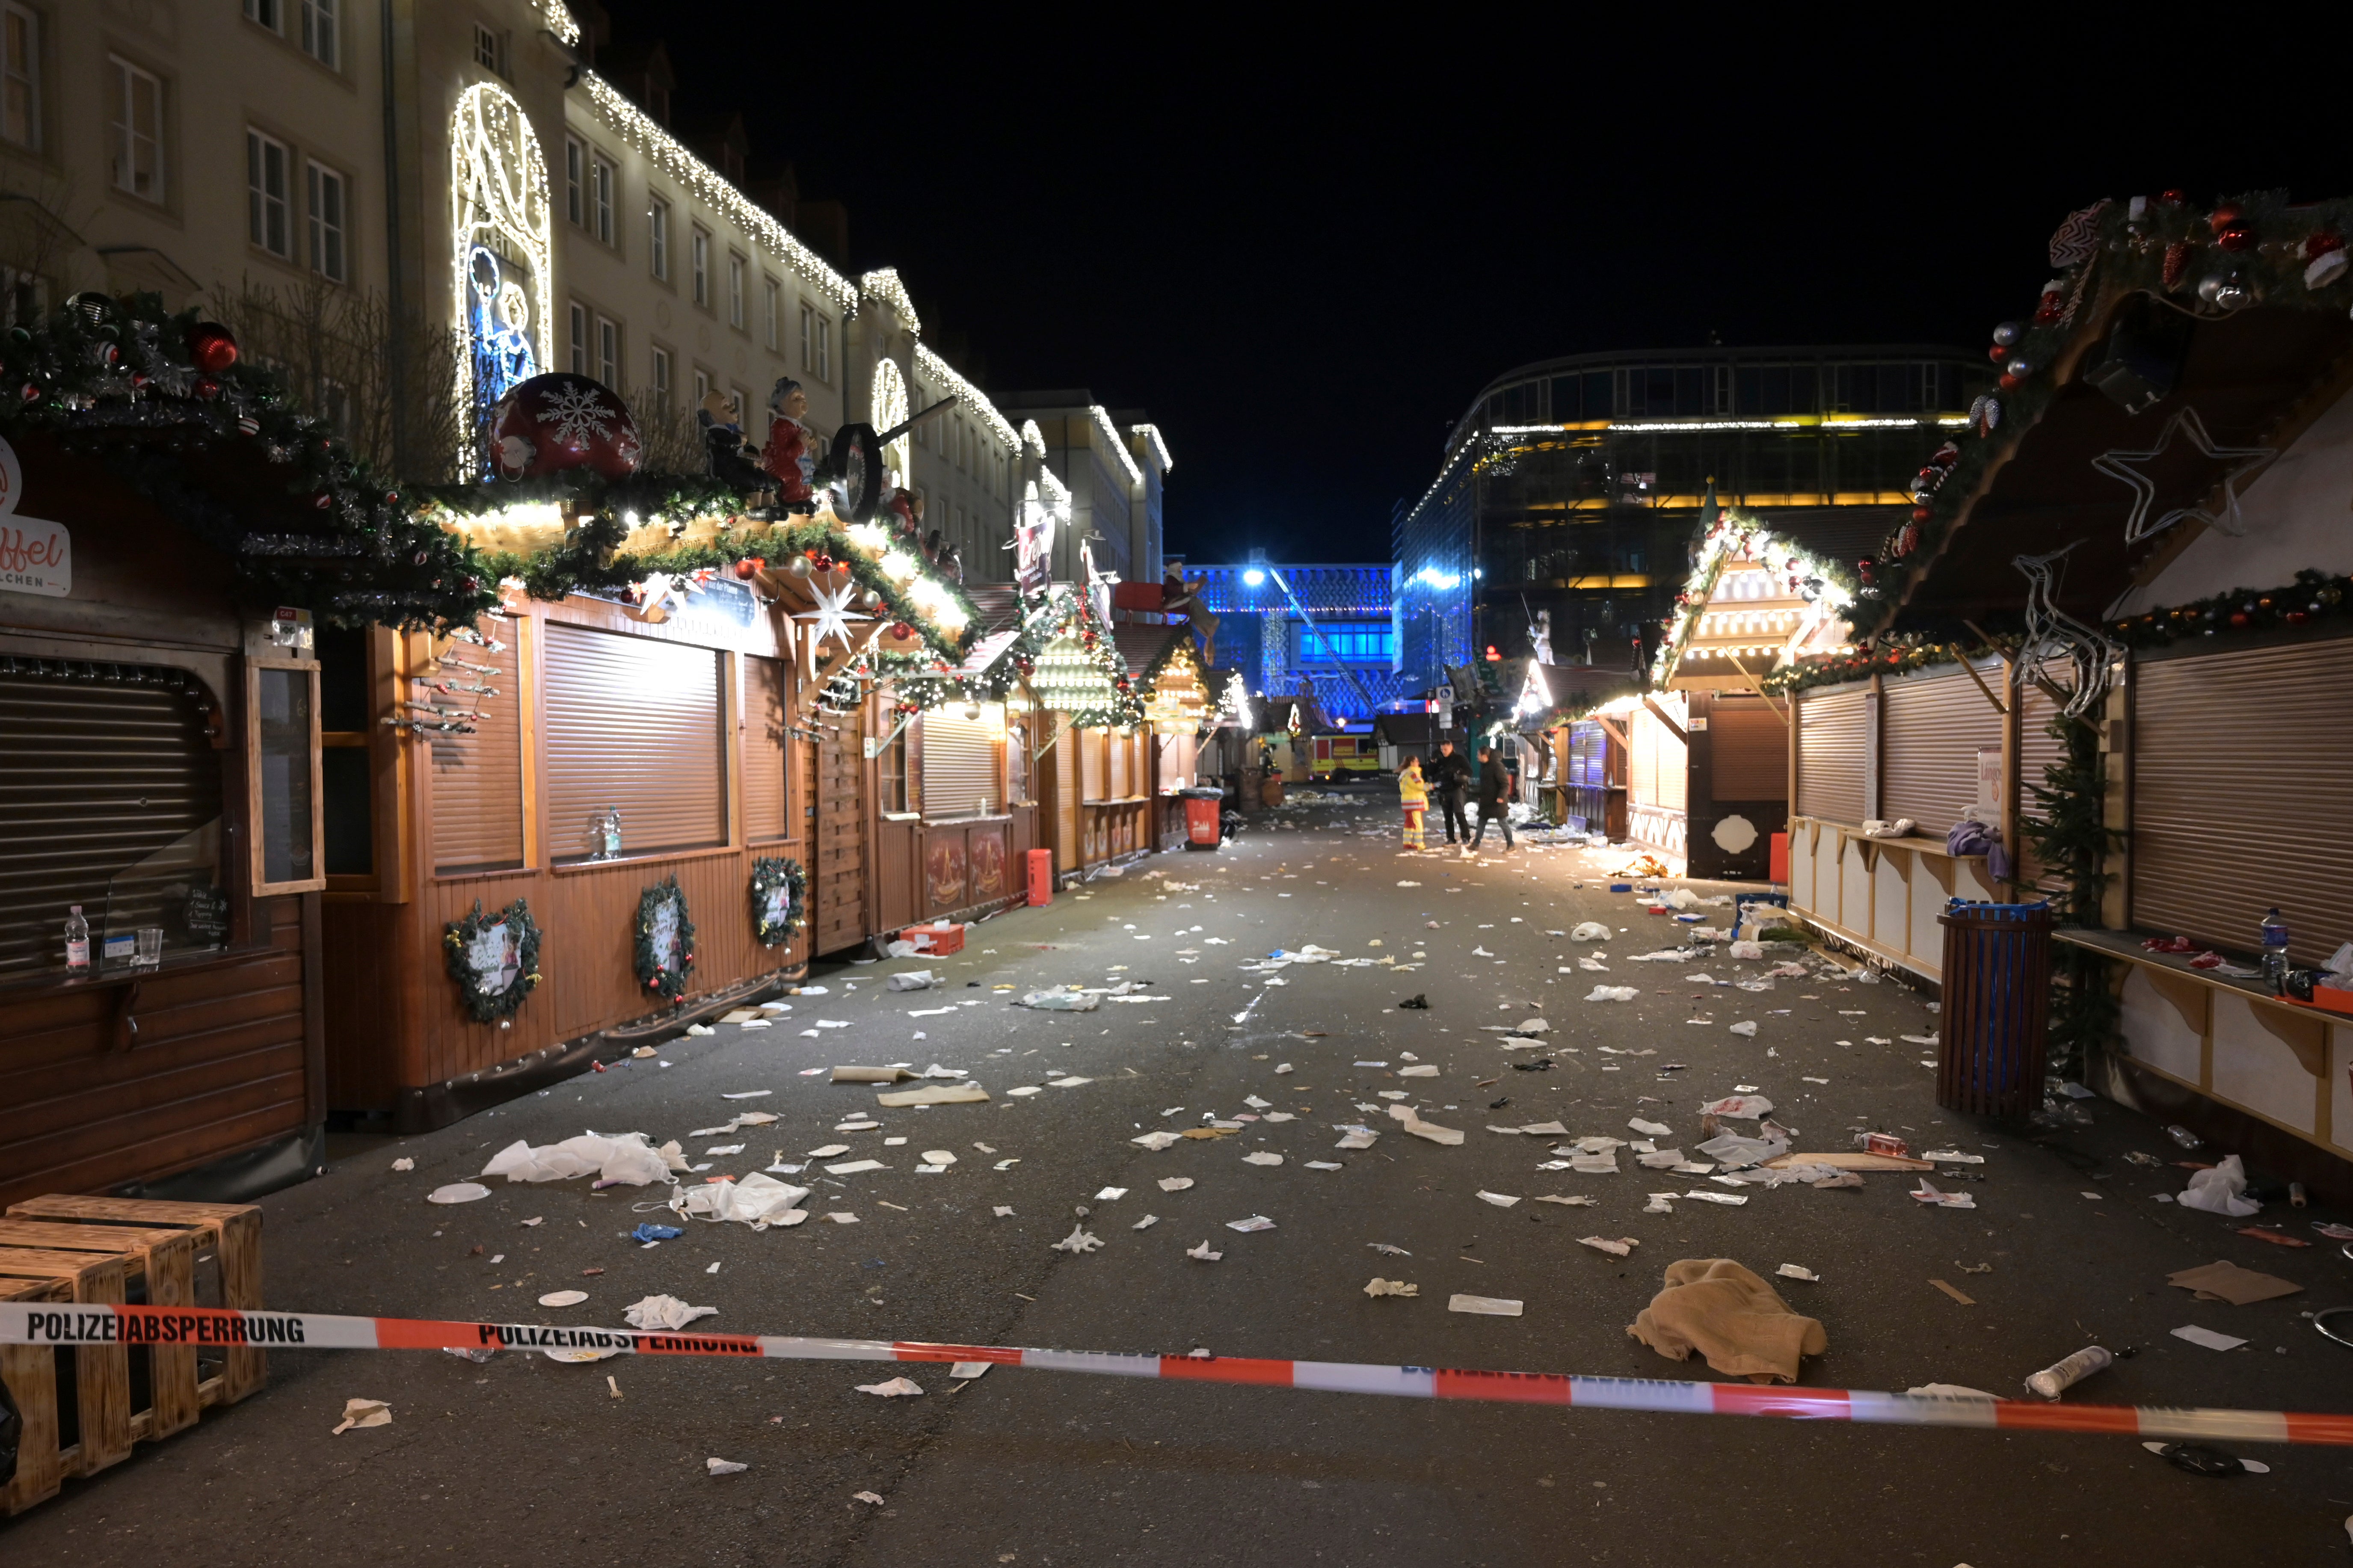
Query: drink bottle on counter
(77, 942)
(2274, 950)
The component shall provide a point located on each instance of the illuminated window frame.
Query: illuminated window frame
(888, 406)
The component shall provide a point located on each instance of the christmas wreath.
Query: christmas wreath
(779, 900)
(494, 959)
(665, 945)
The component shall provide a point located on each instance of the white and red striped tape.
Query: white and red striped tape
(82, 1324)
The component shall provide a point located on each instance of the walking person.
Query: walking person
(1495, 797)
(1415, 795)
(1450, 777)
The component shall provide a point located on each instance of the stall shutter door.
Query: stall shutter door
(632, 724)
(1116, 746)
(762, 743)
(1642, 761)
(1932, 727)
(1750, 751)
(1066, 793)
(959, 765)
(1176, 753)
(478, 778)
(2243, 798)
(96, 775)
(1831, 755)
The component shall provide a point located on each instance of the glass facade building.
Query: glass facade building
(1348, 656)
(1574, 487)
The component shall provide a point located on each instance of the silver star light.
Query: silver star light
(2246, 461)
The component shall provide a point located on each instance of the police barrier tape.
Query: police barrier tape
(100, 1324)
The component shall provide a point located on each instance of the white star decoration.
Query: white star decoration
(2245, 461)
(832, 615)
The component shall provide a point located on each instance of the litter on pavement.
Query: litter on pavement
(1729, 1315)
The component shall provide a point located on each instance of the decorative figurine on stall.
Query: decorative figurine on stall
(790, 456)
(905, 507)
(726, 456)
(933, 542)
(949, 564)
(1540, 635)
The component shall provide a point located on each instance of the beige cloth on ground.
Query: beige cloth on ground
(1716, 1307)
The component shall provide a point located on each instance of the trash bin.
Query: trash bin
(1204, 810)
(1997, 1005)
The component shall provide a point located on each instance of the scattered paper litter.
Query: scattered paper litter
(364, 1413)
(1580, 1201)
(1926, 1192)
(404, 1164)
(827, 1150)
(1146, 1223)
(1717, 1197)
(718, 1466)
(1424, 1070)
(937, 1094)
(1619, 1247)
(1486, 1306)
(665, 1314)
(1081, 1239)
(852, 1167)
(563, 1298)
(458, 1193)
(1793, 1271)
(1739, 1107)
(1744, 1028)
(2219, 1191)
(1255, 1222)
(938, 1157)
(1380, 1287)
(1111, 1194)
(750, 1094)
(1500, 1200)
(873, 1498)
(1612, 993)
(1651, 1129)
(1174, 1184)
(1412, 1122)
(1203, 1253)
(1155, 1141)
(2229, 1282)
(2207, 1337)
(1262, 1157)
(897, 1388)
(965, 1371)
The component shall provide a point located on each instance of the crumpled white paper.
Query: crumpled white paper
(1081, 1239)
(757, 1201)
(2217, 1191)
(717, 1467)
(623, 1157)
(897, 1388)
(364, 1413)
(1612, 993)
(1590, 931)
(665, 1314)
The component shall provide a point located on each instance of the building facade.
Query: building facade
(1567, 503)
(1331, 626)
(1114, 467)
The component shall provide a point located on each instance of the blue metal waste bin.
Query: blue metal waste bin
(1995, 1009)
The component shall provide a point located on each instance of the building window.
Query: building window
(808, 339)
(701, 386)
(608, 350)
(661, 378)
(321, 38)
(657, 238)
(270, 14)
(135, 137)
(775, 303)
(600, 194)
(20, 76)
(575, 158)
(578, 339)
(1359, 643)
(486, 48)
(817, 344)
(735, 290)
(699, 261)
(327, 233)
(891, 774)
(265, 194)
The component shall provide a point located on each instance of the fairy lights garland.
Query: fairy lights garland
(1829, 587)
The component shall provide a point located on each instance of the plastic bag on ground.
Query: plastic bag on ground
(623, 1157)
(912, 980)
(665, 1314)
(1590, 931)
(2217, 1191)
(1062, 1002)
(757, 1201)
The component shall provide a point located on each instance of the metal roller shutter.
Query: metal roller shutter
(478, 778)
(1749, 753)
(1642, 760)
(1933, 723)
(1119, 747)
(1065, 755)
(101, 766)
(959, 765)
(1176, 753)
(762, 745)
(633, 723)
(2243, 796)
(1830, 752)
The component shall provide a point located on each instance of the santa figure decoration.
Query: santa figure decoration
(790, 456)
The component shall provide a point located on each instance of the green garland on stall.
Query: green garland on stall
(1045, 619)
(2071, 839)
(457, 943)
(118, 380)
(768, 876)
(2277, 250)
(1890, 657)
(654, 971)
(2313, 596)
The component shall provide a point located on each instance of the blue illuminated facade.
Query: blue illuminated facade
(1352, 667)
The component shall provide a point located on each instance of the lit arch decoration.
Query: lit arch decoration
(499, 222)
(888, 399)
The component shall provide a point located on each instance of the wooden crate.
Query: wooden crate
(233, 1233)
(31, 1374)
(167, 1263)
(102, 1373)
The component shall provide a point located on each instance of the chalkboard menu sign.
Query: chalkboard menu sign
(205, 915)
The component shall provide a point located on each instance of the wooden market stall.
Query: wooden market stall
(646, 788)
(1093, 771)
(1164, 663)
(2179, 433)
(169, 533)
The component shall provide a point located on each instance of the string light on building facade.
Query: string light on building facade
(1111, 438)
(885, 285)
(559, 20)
(937, 371)
(887, 409)
(1159, 446)
(499, 221)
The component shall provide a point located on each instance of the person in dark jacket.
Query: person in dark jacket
(1495, 793)
(1450, 775)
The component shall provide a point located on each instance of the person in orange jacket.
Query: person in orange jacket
(1415, 795)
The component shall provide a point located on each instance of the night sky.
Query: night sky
(1303, 255)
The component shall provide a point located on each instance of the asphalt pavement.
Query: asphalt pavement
(526, 1461)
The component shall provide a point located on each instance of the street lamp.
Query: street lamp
(1253, 577)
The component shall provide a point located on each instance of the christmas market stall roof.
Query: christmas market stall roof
(2172, 352)
(997, 627)
(1756, 598)
(160, 403)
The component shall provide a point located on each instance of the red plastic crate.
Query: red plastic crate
(935, 941)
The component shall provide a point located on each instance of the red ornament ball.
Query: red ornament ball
(559, 421)
(1921, 514)
(212, 346)
(2297, 617)
(749, 567)
(2173, 198)
(2009, 383)
(2240, 617)
(2222, 218)
(1998, 352)
(901, 629)
(2238, 236)
(29, 393)
(208, 387)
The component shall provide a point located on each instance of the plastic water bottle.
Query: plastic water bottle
(2055, 1380)
(77, 942)
(2274, 950)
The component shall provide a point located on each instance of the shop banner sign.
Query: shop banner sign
(35, 556)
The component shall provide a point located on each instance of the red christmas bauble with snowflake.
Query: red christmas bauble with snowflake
(561, 421)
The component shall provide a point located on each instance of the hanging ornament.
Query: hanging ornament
(2324, 259)
(212, 346)
(560, 421)
(796, 565)
(751, 567)
(2177, 263)
(2050, 306)
(2006, 334)
(208, 387)
(2224, 291)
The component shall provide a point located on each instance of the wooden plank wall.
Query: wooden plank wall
(216, 1066)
